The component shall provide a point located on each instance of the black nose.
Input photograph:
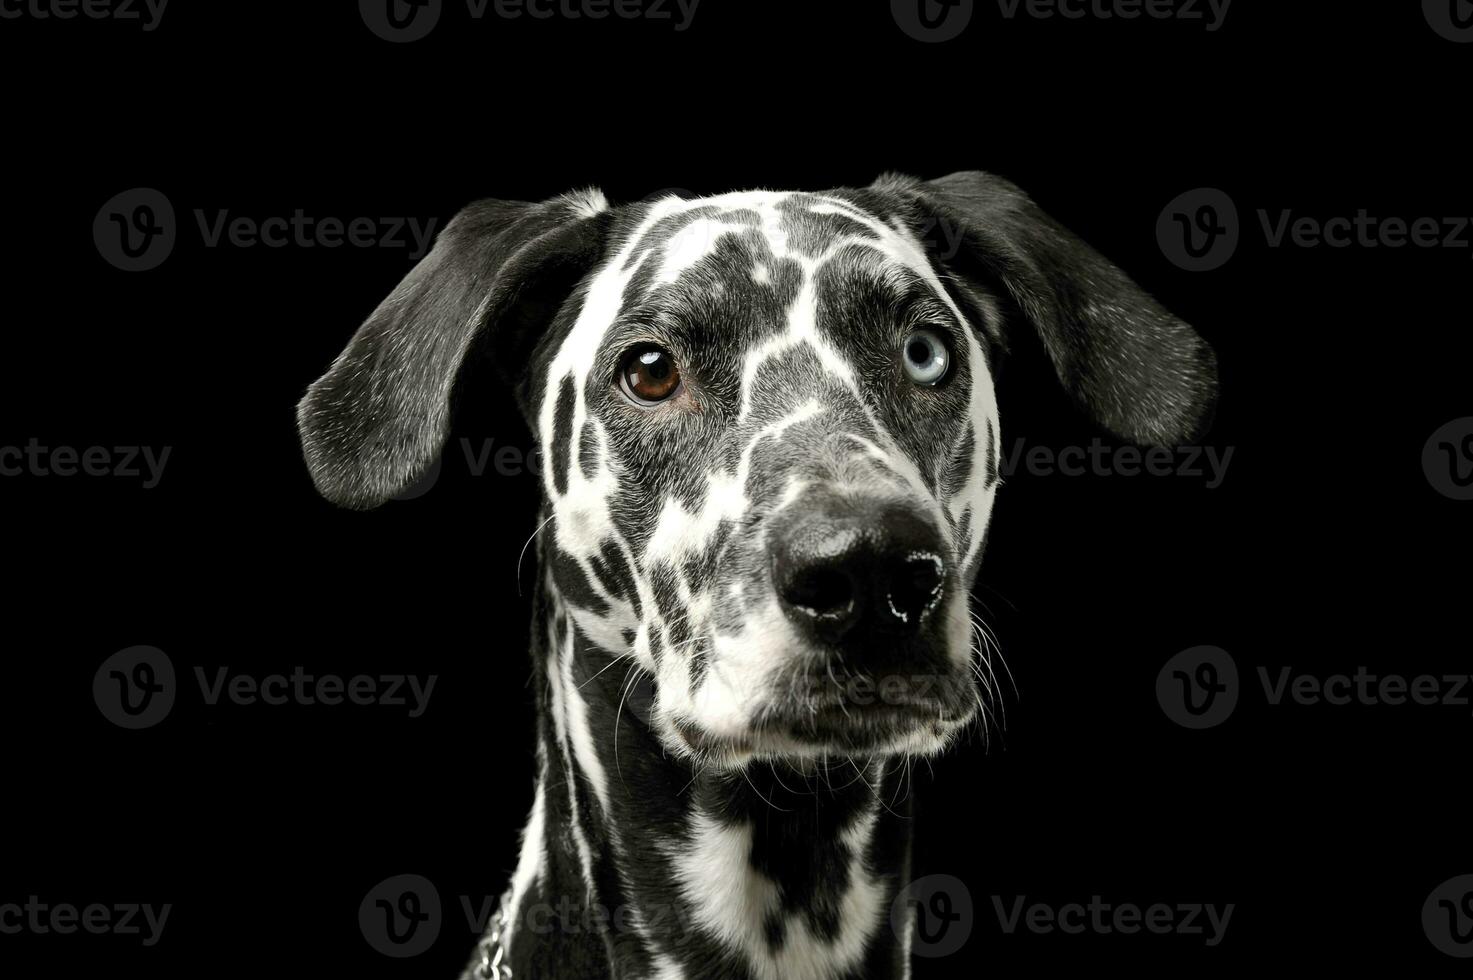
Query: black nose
(838, 567)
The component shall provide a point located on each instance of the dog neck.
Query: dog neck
(635, 863)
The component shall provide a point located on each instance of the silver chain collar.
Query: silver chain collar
(491, 954)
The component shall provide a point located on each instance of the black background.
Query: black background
(1325, 548)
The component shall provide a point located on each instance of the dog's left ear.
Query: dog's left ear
(1139, 371)
(497, 276)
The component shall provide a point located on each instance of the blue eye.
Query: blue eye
(926, 357)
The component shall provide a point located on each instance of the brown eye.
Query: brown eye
(649, 375)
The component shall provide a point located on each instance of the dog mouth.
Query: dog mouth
(862, 716)
(866, 728)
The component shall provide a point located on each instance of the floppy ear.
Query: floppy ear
(497, 275)
(1139, 371)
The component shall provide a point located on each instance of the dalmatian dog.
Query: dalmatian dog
(772, 449)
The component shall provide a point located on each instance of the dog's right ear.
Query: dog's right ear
(497, 275)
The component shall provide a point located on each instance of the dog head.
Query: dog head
(770, 430)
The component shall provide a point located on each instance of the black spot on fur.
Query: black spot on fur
(700, 664)
(960, 465)
(992, 470)
(664, 585)
(573, 584)
(813, 233)
(588, 450)
(562, 433)
(775, 932)
(964, 530)
(612, 572)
